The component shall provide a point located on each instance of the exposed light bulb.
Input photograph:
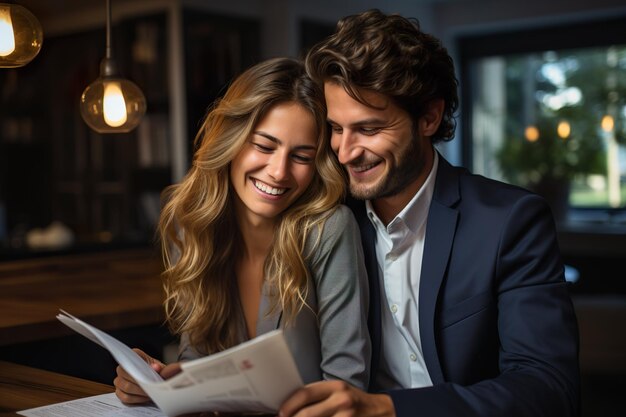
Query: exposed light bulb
(113, 104)
(7, 37)
(21, 36)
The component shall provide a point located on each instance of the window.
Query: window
(546, 109)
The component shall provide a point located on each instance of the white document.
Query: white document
(105, 405)
(255, 376)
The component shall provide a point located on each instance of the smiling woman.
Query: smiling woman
(276, 165)
(254, 236)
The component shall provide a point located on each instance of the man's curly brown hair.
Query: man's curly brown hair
(389, 54)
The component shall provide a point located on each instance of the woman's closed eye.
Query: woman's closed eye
(263, 148)
(302, 158)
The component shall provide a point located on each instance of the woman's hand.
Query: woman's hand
(127, 389)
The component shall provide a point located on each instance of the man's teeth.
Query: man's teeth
(267, 189)
(364, 167)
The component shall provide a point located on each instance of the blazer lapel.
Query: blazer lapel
(374, 321)
(440, 229)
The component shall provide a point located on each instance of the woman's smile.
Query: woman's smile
(268, 189)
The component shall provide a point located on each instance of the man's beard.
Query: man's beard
(397, 179)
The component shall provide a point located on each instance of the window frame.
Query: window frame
(598, 32)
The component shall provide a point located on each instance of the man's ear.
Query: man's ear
(430, 120)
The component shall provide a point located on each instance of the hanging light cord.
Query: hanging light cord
(108, 38)
(108, 67)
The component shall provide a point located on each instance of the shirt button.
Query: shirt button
(394, 308)
(413, 357)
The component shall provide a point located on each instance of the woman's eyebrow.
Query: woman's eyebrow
(279, 142)
(268, 136)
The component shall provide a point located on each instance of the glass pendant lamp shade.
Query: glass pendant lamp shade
(112, 105)
(21, 36)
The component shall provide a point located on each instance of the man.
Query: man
(470, 313)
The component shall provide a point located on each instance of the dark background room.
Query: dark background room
(78, 209)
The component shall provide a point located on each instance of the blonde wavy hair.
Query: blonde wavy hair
(199, 235)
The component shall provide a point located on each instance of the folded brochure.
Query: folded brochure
(254, 376)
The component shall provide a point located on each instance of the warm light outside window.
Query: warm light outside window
(555, 115)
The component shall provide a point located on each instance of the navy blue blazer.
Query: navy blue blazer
(497, 326)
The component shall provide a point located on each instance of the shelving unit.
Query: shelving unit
(106, 188)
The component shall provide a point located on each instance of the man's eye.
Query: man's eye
(336, 129)
(370, 131)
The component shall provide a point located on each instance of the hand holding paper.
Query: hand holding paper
(126, 387)
(255, 376)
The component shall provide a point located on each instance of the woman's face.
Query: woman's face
(277, 163)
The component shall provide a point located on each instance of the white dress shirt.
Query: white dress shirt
(399, 250)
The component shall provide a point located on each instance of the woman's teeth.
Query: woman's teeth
(267, 189)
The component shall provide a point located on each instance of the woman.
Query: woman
(254, 238)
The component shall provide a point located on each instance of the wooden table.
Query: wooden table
(111, 290)
(22, 387)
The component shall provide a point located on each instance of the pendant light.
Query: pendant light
(112, 104)
(21, 36)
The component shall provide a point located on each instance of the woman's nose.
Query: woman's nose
(278, 167)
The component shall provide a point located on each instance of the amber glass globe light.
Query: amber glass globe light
(112, 104)
(21, 36)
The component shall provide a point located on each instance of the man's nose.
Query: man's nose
(344, 145)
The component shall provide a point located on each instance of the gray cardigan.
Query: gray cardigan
(330, 340)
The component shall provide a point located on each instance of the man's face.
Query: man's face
(377, 147)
